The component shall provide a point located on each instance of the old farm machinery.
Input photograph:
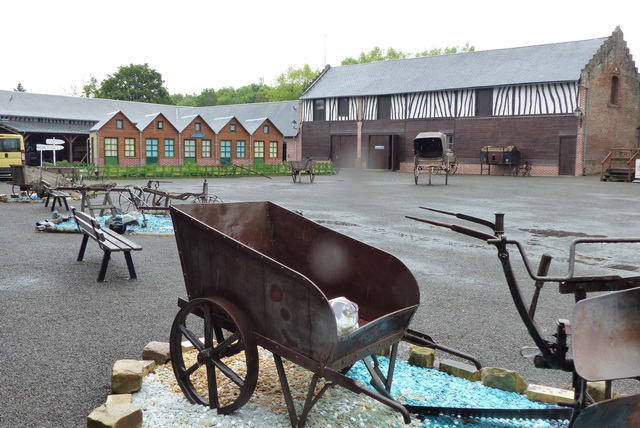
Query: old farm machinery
(259, 275)
(604, 330)
(433, 155)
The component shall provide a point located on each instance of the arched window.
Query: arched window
(615, 84)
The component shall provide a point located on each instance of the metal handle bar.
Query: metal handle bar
(498, 239)
(572, 254)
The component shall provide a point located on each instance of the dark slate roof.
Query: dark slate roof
(557, 62)
(98, 111)
(46, 127)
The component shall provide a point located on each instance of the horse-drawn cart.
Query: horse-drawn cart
(432, 155)
(298, 167)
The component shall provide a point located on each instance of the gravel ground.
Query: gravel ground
(61, 331)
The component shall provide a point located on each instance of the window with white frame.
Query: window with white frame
(206, 148)
(111, 147)
(129, 147)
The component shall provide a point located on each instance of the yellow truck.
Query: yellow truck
(11, 153)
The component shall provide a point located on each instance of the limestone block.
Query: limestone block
(115, 415)
(156, 351)
(547, 394)
(126, 376)
(506, 380)
(148, 366)
(461, 370)
(119, 398)
(421, 356)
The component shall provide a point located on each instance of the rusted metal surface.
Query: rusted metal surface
(604, 330)
(283, 268)
(606, 336)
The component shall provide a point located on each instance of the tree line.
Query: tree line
(140, 83)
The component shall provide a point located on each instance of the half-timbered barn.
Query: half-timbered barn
(562, 105)
(111, 132)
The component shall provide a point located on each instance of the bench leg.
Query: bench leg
(103, 267)
(83, 247)
(46, 201)
(132, 270)
(53, 205)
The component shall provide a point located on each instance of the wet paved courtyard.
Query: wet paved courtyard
(61, 331)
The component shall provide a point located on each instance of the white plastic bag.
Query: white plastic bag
(346, 313)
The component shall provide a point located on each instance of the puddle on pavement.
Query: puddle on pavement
(550, 233)
(336, 223)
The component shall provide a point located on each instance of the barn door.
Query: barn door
(379, 153)
(567, 156)
(344, 150)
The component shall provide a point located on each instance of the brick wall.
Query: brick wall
(610, 125)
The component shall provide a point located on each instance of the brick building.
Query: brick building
(563, 105)
(111, 132)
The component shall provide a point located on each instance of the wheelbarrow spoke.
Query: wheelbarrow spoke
(225, 373)
(191, 337)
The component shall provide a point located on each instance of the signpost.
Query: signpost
(53, 145)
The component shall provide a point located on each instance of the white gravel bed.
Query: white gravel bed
(163, 405)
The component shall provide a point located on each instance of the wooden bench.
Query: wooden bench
(108, 241)
(58, 196)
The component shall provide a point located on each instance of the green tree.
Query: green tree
(90, 88)
(289, 85)
(135, 83)
(20, 88)
(184, 100)
(448, 50)
(208, 97)
(376, 54)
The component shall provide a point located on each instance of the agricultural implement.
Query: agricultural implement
(604, 330)
(302, 166)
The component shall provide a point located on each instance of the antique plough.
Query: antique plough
(604, 330)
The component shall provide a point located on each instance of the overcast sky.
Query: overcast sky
(54, 47)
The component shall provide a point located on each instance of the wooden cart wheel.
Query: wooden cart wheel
(221, 368)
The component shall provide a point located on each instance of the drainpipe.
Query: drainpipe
(584, 133)
(141, 157)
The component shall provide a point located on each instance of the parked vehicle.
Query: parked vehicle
(11, 153)
(433, 155)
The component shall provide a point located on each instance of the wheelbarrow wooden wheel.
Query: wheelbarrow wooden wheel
(214, 354)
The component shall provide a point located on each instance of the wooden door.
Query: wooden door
(567, 156)
(344, 150)
(379, 153)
